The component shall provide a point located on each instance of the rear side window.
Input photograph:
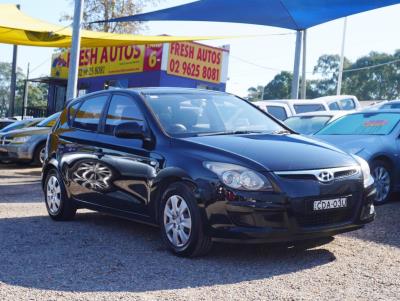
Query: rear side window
(334, 106)
(277, 112)
(88, 115)
(122, 109)
(308, 108)
(347, 104)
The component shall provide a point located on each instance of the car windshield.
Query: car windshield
(49, 121)
(307, 124)
(389, 105)
(195, 114)
(362, 124)
(20, 124)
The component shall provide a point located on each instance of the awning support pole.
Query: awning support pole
(296, 68)
(340, 75)
(303, 93)
(75, 49)
(13, 84)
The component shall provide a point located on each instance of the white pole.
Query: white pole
(303, 74)
(340, 75)
(296, 68)
(76, 45)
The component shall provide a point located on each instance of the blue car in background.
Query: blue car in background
(374, 136)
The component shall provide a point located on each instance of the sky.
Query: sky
(254, 60)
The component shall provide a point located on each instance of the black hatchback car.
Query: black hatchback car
(205, 166)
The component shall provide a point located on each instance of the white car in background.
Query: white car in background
(280, 111)
(312, 122)
(341, 102)
(284, 108)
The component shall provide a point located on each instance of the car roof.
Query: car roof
(171, 90)
(397, 111)
(297, 101)
(335, 97)
(269, 102)
(323, 113)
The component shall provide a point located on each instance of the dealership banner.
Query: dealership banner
(195, 61)
(111, 60)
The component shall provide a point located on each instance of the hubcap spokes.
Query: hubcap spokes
(53, 195)
(177, 221)
(382, 182)
(41, 155)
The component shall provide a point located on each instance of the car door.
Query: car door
(78, 149)
(131, 163)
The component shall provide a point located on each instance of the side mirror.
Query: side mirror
(132, 130)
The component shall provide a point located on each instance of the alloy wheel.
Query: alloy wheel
(382, 182)
(42, 155)
(53, 195)
(177, 221)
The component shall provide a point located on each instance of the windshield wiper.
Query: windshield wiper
(281, 132)
(241, 132)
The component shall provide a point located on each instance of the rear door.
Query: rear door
(131, 163)
(78, 149)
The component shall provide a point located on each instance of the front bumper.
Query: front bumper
(15, 152)
(278, 217)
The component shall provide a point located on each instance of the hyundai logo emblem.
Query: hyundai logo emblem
(325, 176)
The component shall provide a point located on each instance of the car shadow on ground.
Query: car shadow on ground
(102, 253)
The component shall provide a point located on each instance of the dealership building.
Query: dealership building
(179, 64)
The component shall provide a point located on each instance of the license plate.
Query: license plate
(330, 204)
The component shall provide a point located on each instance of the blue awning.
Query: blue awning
(290, 14)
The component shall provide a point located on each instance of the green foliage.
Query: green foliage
(37, 93)
(95, 10)
(380, 82)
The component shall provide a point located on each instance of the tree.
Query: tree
(375, 76)
(380, 82)
(255, 94)
(95, 10)
(279, 87)
(37, 93)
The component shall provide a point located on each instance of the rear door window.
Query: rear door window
(304, 108)
(89, 114)
(277, 112)
(334, 106)
(347, 104)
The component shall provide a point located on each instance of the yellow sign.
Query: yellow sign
(101, 61)
(195, 61)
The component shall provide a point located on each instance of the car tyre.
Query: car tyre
(38, 155)
(58, 205)
(382, 173)
(182, 228)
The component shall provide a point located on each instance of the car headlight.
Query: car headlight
(21, 139)
(239, 177)
(368, 179)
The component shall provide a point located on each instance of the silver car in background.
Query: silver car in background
(27, 144)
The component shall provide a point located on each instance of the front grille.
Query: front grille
(338, 173)
(324, 218)
(345, 173)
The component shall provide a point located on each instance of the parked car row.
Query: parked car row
(207, 166)
(285, 108)
(25, 140)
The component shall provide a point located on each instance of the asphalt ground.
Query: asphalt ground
(98, 257)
